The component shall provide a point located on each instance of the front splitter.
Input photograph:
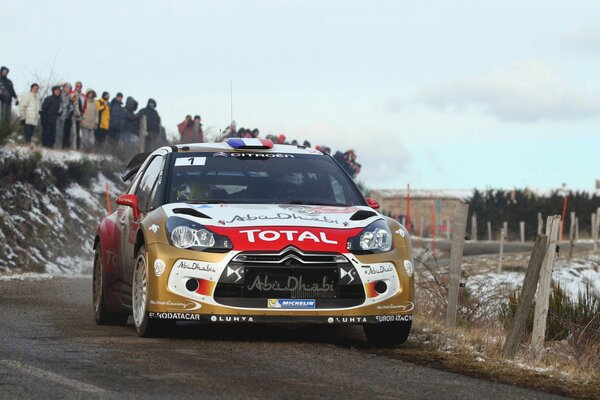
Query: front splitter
(273, 319)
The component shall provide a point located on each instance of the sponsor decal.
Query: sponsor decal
(282, 216)
(293, 284)
(394, 318)
(301, 209)
(378, 269)
(153, 228)
(189, 306)
(403, 307)
(175, 315)
(220, 154)
(195, 266)
(401, 232)
(159, 267)
(290, 235)
(291, 303)
(261, 155)
(203, 206)
(346, 320)
(408, 266)
(231, 318)
(275, 238)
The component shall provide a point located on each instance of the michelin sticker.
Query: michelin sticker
(159, 267)
(153, 228)
(401, 232)
(291, 303)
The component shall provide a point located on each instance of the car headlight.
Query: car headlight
(375, 238)
(185, 234)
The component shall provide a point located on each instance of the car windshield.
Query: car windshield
(259, 178)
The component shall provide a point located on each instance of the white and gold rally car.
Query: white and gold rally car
(250, 232)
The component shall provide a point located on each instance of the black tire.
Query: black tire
(144, 325)
(387, 333)
(101, 315)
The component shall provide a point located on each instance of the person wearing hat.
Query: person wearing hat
(7, 93)
(104, 119)
(50, 113)
(29, 110)
(89, 120)
(198, 133)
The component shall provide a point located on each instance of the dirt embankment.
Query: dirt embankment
(50, 205)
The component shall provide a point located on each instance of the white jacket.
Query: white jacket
(29, 109)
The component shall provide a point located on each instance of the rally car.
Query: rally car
(245, 231)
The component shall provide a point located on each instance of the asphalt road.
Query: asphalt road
(50, 348)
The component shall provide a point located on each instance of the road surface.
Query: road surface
(50, 348)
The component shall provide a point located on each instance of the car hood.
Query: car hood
(244, 215)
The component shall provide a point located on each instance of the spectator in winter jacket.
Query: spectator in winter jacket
(65, 120)
(50, 113)
(198, 133)
(7, 93)
(117, 118)
(186, 130)
(131, 126)
(29, 109)
(78, 101)
(103, 118)
(152, 125)
(89, 120)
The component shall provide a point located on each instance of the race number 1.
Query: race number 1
(187, 161)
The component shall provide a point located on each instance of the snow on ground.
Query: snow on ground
(60, 157)
(571, 275)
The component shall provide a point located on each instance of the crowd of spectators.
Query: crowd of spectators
(346, 159)
(75, 119)
(71, 118)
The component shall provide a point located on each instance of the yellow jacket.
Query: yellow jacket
(104, 112)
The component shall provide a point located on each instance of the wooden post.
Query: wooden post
(519, 322)
(501, 249)
(522, 230)
(474, 227)
(540, 224)
(408, 209)
(562, 221)
(571, 233)
(505, 226)
(459, 227)
(553, 224)
(421, 223)
(593, 232)
(448, 231)
(489, 229)
(576, 229)
(597, 225)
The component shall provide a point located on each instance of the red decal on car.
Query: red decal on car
(279, 237)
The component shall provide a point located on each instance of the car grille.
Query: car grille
(252, 278)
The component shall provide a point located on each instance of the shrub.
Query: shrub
(577, 320)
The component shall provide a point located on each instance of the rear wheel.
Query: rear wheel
(101, 314)
(144, 325)
(387, 333)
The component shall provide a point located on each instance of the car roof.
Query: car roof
(224, 147)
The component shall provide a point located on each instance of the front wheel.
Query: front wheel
(144, 325)
(387, 333)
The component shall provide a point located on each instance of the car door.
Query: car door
(128, 224)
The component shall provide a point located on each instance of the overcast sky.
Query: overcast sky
(438, 94)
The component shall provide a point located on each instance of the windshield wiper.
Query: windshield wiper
(215, 201)
(316, 203)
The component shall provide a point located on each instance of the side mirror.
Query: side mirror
(130, 200)
(374, 204)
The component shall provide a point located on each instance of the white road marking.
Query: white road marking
(52, 377)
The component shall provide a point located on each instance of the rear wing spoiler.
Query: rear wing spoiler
(134, 165)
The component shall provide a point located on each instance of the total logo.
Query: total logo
(291, 235)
